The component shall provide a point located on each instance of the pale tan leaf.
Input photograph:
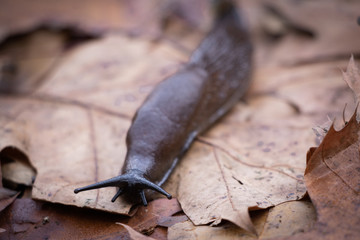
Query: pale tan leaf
(288, 219)
(321, 130)
(16, 167)
(187, 230)
(81, 115)
(240, 172)
(352, 78)
(326, 37)
(24, 62)
(92, 16)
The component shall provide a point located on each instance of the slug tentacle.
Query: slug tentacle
(143, 198)
(119, 192)
(130, 181)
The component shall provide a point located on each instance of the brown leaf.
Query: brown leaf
(134, 235)
(29, 219)
(7, 196)
(156, 213)
(60, 222)
(340, 154)
(333, 179)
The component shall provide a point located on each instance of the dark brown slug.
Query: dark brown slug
(184, 105)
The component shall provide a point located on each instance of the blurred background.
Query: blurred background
(35, 34)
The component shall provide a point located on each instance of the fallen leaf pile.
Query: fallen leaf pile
(71, 79)
(333, 177)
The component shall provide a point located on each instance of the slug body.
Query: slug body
(184, 105)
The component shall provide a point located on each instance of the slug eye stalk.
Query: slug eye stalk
(132, 181)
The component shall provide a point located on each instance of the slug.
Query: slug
(184, 105)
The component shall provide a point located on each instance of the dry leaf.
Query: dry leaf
(315, 89)
(157, 212)
(90, 16)
(352, 78)
(288, 219)
(187, 230)
(81, 115)
(331, 38)
(240, 172)
(26, 60)
(134, 235)
(29, 219)
(96, 98)
(333, 180)
(16, 167)
(64, 222)
(7, 196)
(254, 158)
(254, 169)
(282, 220)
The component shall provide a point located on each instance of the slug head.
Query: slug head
(132, 182)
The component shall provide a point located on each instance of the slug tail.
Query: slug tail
(132, 181)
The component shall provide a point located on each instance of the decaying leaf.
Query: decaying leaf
(7, 196)
(29, 219)
(64, 222)
(134, 235)
(158, 212)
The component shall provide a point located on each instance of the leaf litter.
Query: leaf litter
(332, 176)
(97, 115)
